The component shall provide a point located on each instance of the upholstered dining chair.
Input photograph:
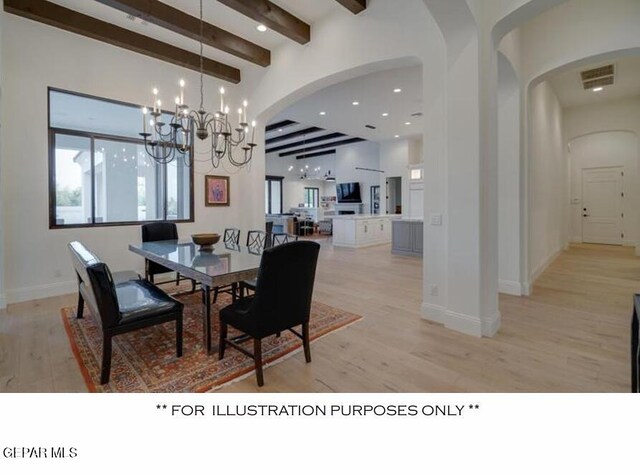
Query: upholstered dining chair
(276, 239)
(153, 232)
(281, 302)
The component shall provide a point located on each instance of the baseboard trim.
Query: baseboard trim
(20, 295)
(464, 323)
(543, 266)
(510, 287)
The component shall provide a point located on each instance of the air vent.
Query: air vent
(597, 73)
(605, 81)
(371, 127)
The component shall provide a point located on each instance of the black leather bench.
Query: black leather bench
(120, 305)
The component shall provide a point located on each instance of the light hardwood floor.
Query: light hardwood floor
(571, 335)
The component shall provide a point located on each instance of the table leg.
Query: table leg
(207, 318)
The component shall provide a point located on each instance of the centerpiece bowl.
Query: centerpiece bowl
(205, 241)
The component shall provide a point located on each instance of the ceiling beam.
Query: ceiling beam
(279, 125)
(179, 22)
(274, 17)
(309, 141)
(313, 155)
(69, 20)
(354, 6)
(291, 135)
(320, 147)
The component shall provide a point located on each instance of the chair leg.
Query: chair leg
(222, 343)
(151, 278)
(177, 279)
(234, 292)
(106, 359)
(179, 336)
(306, 342)
(215, 294)
(257, 356)
(80, 310)
(193, 286)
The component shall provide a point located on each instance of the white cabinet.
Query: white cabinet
(360, 231)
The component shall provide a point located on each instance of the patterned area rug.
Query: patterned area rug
(145, 360)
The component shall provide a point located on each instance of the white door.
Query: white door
(602, 205)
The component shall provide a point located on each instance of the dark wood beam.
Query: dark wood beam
(309, 141)
(279, 125)
(320, 147)
(69, 20)
(313, 155)
(179, 22)
(354, 6)
(291, 135)
(274, 17)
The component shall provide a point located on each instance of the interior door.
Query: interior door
(602, 205)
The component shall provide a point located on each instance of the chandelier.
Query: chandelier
(164, 142)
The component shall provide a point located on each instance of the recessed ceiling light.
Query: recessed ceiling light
(323, 113)
(407, 123)
(355, 103)
(386, 114)
(279, 129)
(396, 136)
(397, 90)
(597, 89)
(261, 28)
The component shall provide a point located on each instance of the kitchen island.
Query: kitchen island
(362, 230)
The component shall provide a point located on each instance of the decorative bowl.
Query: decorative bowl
(205, 241)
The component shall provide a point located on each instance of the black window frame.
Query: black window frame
(269, 179)
(316, 196)
(93, 136)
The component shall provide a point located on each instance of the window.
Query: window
(100, 173)
(312, 197)
(273, 195)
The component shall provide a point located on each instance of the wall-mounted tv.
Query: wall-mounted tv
(348, 192)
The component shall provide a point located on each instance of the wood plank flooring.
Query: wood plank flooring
(571, 335)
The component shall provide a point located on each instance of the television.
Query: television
(348, 192)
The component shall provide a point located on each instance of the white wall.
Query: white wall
(359, 155)
(548, 173)
(605, 149)
(394, 160)
(37, 261)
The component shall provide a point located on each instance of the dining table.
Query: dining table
(225, 264)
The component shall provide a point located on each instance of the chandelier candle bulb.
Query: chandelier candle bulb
(244, 105)
(144, 119)
(155, 98)
(253, 131)
(222, 99)
(181, 91)
(239, 119)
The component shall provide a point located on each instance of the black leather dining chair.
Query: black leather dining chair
(256, 241)
(279, 239)
(120, 307)
(153, 232)
(281, 302)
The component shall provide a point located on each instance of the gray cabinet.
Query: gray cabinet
(407, 237)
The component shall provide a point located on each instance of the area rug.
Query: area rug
(145, 360)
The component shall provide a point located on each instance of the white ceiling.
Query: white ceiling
(215, 13)
(375, 95)
(568, 85)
